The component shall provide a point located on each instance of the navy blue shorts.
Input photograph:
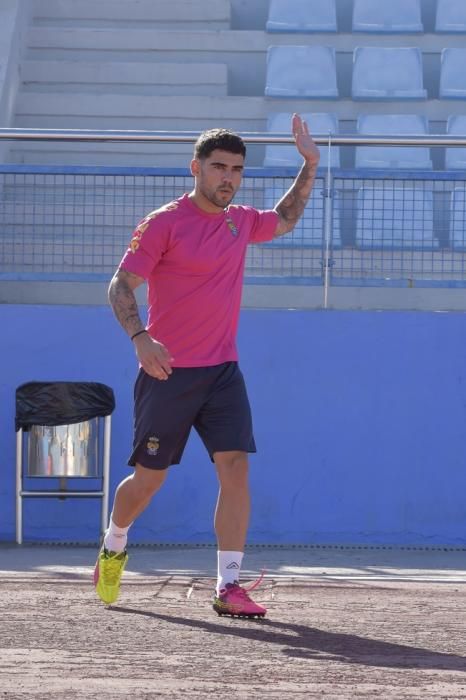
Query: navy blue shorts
(213, 400)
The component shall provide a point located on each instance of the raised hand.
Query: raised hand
(304, 141)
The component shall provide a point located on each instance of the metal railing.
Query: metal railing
(361, 227)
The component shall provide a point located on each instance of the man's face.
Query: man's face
(218, 177)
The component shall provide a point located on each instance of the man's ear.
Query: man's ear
(195, 167)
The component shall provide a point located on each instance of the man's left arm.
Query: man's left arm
(291, 206)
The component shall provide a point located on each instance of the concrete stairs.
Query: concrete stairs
(179, 65)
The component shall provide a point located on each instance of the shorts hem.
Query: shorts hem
(247, 450)
(156, 467)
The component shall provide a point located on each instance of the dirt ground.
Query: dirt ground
(331, 639)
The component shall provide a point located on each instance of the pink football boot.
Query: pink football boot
(234, 600)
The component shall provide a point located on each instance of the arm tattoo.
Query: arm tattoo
(291, 206)
(123, 303)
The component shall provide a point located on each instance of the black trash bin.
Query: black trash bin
(60, 422)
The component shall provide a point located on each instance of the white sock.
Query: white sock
(229, 567)
(116, 537)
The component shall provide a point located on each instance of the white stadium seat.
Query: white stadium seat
(286, 156)
(302, 16)
(450, 16)
(382, 16)
(392, 156)
(458, 219)
(301, 71)
(391, 73)
(455, 158)
(453, 74)
(395, 217)
(309, 232)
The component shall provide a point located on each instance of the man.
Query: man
(192, 253)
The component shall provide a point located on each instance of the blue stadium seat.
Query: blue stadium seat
(450, 16)
(455, 157)
(391, 73)
(458, 219)
(395, 217)
(302, 16)
(309, 232)
(301, 71)
(288, 156)
(392, 156)
(382, 16)
(453, 74)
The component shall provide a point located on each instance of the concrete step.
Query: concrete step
(191, 112)
(195, 39)
(111, 154)
(238, 50)
(140, 112)
(243, 51)
(125, 77)
(215, 14)
(136, 39)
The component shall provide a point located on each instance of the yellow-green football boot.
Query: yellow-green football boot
(107, 574)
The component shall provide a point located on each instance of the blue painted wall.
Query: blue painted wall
(359, 417)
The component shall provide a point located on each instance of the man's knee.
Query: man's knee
(148, 481)
(232, 467)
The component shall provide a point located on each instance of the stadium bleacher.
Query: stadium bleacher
(387, 73)
(349, 66)
(396, 16)
(452, 74)
(188, 66)
(286, 156)
(455, 158)
(301, 71)
(395, 217)
(450, 16)
(302, 16)
(409, 157)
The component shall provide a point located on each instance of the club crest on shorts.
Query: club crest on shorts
(152, 446)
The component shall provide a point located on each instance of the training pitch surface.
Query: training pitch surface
(342, 623)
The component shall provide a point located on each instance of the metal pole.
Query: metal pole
(128, 135)
(19, 500)
(106, 473)
(328, 225)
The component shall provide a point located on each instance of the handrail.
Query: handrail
(110, 135)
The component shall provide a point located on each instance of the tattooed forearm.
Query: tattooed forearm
(291, 206)
(123, 301)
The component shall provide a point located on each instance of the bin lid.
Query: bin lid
(61, 403)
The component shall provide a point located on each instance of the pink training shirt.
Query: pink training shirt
(194, 262)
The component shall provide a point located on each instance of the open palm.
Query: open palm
(304, 141)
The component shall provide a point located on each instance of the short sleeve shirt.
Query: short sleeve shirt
(193, 262)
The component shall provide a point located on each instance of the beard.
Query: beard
(220, 197)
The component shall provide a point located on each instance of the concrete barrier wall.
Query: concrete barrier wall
(14, 17)
(359, 417)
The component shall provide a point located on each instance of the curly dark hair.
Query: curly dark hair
(223, 139)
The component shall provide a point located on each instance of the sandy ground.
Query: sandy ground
(323, 637)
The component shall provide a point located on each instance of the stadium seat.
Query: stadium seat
(391, 73)
(458, 219)
(392, 156)
(453, 74)
(301, 71)
(455, 157)
(309, 232)
(382, 16)
(288, 156)
(302, 16)
(450, 16)
(395, 217)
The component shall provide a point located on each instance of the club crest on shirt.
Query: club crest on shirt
(152, 446)
(231, 226)
(142, 227)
